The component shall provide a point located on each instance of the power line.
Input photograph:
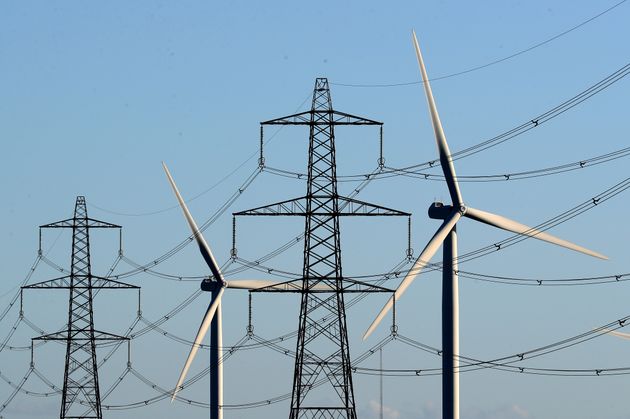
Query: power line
(148, 268)
(598, 87)
(164, 393)
(389, 172)
(502, 364)
(16, 390)
(167, 255)
(208, 189)
(491, 63)
(499, 139)
(505, 363)
(616, 76)
(561, 218)
(544, 281)
(593, 202)
(499, 364)
(565, 216)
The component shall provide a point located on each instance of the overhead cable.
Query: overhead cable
(491, 63)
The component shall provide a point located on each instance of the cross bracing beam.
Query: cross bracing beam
(98, 335)
(319, 285)
(347, 206)
(71, 222)
(318, 117)
(65, 282)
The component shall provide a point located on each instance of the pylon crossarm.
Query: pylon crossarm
(70, 223)
(353, 206)
(361, 286)
(53, 336)
(336, 118)
(323, 285)
(63, 282)
(287, 286)
(98, 335)
(295, 206)
(298, 207)
(102, 282)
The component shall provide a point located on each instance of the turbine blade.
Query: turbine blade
(252, 284)
(618, 334)
(516, 227)
(445, 155)
(431, 248)
(201, 333)
(201, 241)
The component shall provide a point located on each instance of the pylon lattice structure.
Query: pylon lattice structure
(81, 396)
(322, 342)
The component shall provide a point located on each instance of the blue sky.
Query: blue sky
(96, 95)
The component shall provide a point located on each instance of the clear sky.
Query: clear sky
(96, 94)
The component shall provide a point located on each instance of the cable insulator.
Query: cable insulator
(250, 326)
(409, 248)
(233, 252)
(120, 243)
(381, 159)
(261, 159)
(394, 328)
(21, 304)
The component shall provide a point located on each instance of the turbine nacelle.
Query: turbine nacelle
(439, 211)
(210, 284)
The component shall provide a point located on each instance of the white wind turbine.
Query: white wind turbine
(214, 308)
(447, 235)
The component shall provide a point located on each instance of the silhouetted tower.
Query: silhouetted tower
(324, 350)
(322, 343)
(81, 396)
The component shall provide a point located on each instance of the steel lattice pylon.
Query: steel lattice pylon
(322, 350)
(323, 354)
(81, 396)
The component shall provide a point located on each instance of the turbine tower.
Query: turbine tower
(446, 235)
(81, 395)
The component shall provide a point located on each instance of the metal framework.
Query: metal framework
(81, 395)
(323, 354)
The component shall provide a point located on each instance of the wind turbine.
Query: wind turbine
(447, 235)
(214, 308)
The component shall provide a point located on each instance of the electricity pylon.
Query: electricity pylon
(323, 353)
(81, 395)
